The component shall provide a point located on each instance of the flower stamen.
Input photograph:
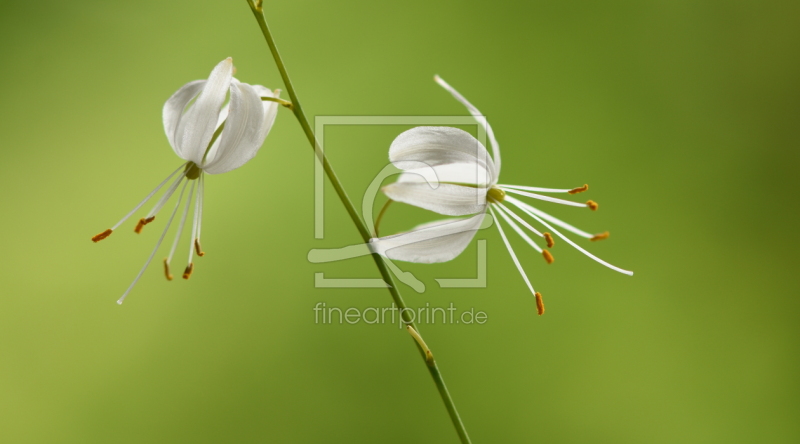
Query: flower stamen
(158, 244)
(101, 236)
(166, 270)
(521, 221)
(105, 234)
(142, 222)
(547, 198)
(549, 239)
(511, 252)
(187, 273)
(592, 205)
(579, 189)
(502, 210)
(600, 236)
(539, 303)
(527, 209)
(548, 257)
(178, 233)
(197, 248)
(520, 204)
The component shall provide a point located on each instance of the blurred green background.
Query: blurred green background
(681, 115)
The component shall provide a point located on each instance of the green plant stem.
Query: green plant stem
(297, 109)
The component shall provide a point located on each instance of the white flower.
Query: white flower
(212, 137)
(465, 183)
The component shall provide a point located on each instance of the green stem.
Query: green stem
(297, 109)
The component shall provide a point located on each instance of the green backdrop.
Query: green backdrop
(681, 115)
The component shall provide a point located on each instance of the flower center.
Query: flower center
(192, 171)
(496, 194)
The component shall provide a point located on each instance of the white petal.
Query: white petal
(479, 117)
(270, 108)
(174, 107)
(437, 145)
(198, 124)
(212, 152)
(241, 137)
(437, 242)
(469, 173)
(447, 199)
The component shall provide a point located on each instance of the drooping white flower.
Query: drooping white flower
(213, 137)
(465, 183)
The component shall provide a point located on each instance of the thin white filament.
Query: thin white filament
(158, 244)
(520, 220)
(537, 189)
(181, 224)
(541, 221)
(511, 252)
(167, 195)
(519, 231)
(149, 196)
(519, 204)
(199, 208)
(546, 198)
(194, 227)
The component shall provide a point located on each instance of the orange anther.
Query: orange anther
(579, 189)
(166, 270)
(101, 236)
(548, 257)
(592, 204)
(142, 223)
(539, 303)
(188, 272)
(549, 239)
(197, 248)
(600, 236)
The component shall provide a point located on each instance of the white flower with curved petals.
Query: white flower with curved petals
(467, 184)
(213, 137)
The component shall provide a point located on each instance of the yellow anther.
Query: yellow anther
(101, 236)
(188, 272)
(198, 249)
(600, 236)
(548, 257)
(142, 223)
(539, 303)
(166, 270)
(549, 239)
(496, 194)
(579, 189)
(592, 204)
